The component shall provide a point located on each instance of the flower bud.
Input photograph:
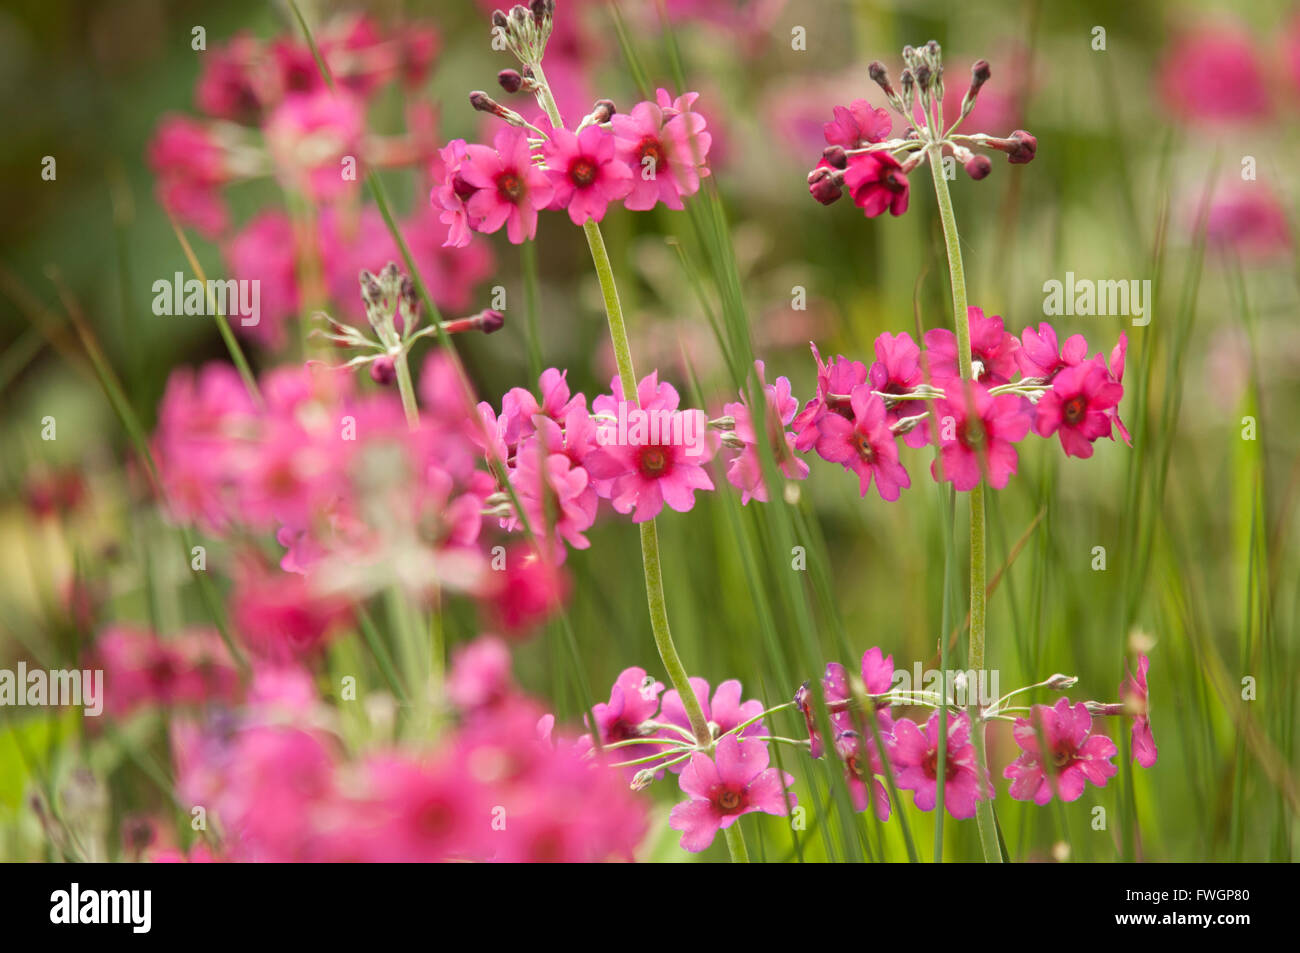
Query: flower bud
(510, 80)
(382, 371)
(836, 156)
(880, 76)
(822, 186)
(603, 111)
(978, 166)
(979, 75)
(1024, 149)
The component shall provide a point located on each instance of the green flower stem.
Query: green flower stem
(957, 273)
(404, 387)
(654, 580)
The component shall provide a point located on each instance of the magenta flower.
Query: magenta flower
(1076, 754)
(864, 445)
(1133, 692)
(585, 172)
(452, 194)
(724, 713)
(665, 149)
(856, 124)
(835, 381)
(654, 455)
(915, 757)
(877, 183)
(897, 371)
(737, 782)
(191, 166)
(550, 487)
(1078, 407)
(1117, 356)
(966, 449)
(862, 764)
(633, 699)
(510, 189)
(309, 134)
(990, 345)
(264, 251)
(1039, 356)
(745, 471)
(1213, 75)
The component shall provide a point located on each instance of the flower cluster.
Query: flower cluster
(860, 155)
(267, 110)
(1059, 748)
(656, 152)
(914, 396)
(724, 776)
(278, 785)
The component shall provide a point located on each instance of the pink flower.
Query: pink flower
(480, 674)
(1076, 754)
(264, 251)
(966, 450)
(140, 669)
(633, 700)
(228, 86)
(835, 381)
(1133, 693)
(736, 783)
(665, 147)
(556, 496)
(877, 183)
(191, 166)
(915, 757)
(864, 445)
(510, 189)
(452, 193)
(656, 457)
(585, 172)
(1077, 408)
(897, 371)
(1213, 75)
(528, 591)
(856, 124)
(1039, 356)
(204, 423)
(724, 713)
(991, 346)
(745, 470)
(280, 616)
(310, 134)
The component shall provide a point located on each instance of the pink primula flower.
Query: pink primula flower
(865, 445)
(1133, 692)
(586, 173)
(738, 782)
(509, 188)
(915, 757)
(1076, 754)
(967, 449)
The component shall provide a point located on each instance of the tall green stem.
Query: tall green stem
(654, 580)
(957, 274)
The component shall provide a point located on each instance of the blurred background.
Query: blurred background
(1166, 133)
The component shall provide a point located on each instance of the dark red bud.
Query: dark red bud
(1024, 148)
(382, 371)
(836, 156)
(510, 80)
(977, 167)
(823, 187)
